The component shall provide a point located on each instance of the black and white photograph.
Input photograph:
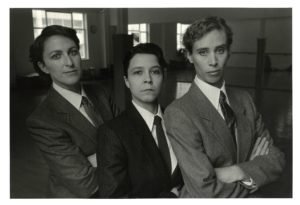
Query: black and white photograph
(114, 102)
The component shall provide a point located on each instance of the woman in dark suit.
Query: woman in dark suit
(64, 125)
(135, 157)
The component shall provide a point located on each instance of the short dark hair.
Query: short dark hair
(37, 47)
(144, 48)
(203, 26)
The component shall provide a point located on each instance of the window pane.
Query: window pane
(133, 27)
(178, 28)
(39, 18)
(184, 27)
(37, 32)
(58, 18)
(77, 20)
(143, 27)
(143, 38)
(81, 36)
(136, 38)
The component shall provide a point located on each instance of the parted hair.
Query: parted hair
(203, 26)
(37, 47)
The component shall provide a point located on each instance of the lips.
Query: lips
(70, 71)
(148, 90)
(215, 72)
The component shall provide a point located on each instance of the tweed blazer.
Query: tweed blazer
(66, 138)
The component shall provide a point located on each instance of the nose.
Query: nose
(147, 77)
(68, 61)
(213, 60)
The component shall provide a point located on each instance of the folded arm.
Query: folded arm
(266, 167)
(64, 158)
(198, 173)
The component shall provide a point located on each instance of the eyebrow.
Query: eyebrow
(221, 46)
(206, 48)
(55, 51)
(141, 67)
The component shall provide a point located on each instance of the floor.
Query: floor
(28, 171)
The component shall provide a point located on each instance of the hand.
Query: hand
(261, 147)
(93, 160)
(230, 174)
(175, 191)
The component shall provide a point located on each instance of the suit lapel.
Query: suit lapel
(68, 113)
(147, 141)
(244, 132)
(215, 123)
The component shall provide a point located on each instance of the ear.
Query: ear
(126, 81)
(189, 57)
(43, 67)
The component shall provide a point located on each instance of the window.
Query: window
(75, 20)
(140, 33)
(181, 28)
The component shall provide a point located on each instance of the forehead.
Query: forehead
(143, 60)
(58, 42)
(211, 39)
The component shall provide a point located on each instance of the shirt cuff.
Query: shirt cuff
(248, 183)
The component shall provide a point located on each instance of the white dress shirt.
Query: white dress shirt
(149, 119)
(212, 93)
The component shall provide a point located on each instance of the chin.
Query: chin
(149, 99)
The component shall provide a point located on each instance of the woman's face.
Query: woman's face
(144, 78)
(62, 61)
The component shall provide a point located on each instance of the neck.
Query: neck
(74, 88)
(151, 107)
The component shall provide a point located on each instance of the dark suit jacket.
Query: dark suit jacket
(130, 164)
(65, 138)
(202, 141)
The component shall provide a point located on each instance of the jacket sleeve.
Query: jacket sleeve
(265, 168)
(112, 165)
(65, 160)
(198, 173)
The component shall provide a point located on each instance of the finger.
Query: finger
(254, 150)
(260, 146)
(264, 148)
(256, 144)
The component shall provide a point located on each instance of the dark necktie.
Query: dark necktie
(228, 115)
(90, 111)
(162, 143)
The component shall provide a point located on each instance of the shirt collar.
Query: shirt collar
(148, 116)
(210, 91)
(70, 96)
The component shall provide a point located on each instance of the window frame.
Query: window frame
(179, 35)
(139, 31)
(84, 29)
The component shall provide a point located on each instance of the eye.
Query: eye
(221, 50)
(203, 52)
(137, 72)
(56, 56)
(74, 52)
(156, 71)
